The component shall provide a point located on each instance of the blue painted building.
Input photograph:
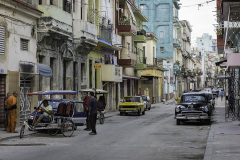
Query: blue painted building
(163, 21)
(161, 15)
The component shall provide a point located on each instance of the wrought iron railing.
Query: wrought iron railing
(105, 34)
(141, 60)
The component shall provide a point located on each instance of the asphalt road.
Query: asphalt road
(154, 135)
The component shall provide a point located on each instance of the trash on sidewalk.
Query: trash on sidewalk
(204, 128)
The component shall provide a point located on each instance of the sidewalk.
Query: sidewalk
(223, 139)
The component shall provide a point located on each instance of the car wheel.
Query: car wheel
(177, 122)
(139, 112)
(149, 108)
(143, 113)
(121, 113)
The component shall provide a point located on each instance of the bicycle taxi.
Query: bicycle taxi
(101, 103)
(66, 114)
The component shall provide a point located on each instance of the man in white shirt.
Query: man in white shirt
(45, 114)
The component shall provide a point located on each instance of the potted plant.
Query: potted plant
(177, 62)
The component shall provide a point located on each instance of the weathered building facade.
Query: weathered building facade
(18, 45)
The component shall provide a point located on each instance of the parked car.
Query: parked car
(194, 106)
(132, 104)
(215, 91)
(146, 101)
(211, 100)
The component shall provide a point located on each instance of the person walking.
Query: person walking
(86, 101)
(178, 99)
(92, 109)
(11, 104)
(6, 111)
(221, 94)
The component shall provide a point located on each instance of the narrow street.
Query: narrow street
(154, 135)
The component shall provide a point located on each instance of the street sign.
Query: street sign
(97, 65)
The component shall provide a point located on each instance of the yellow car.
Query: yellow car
(132, 104)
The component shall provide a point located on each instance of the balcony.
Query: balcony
(116, 42)
(105, 36)
(141, 37)
(55, 20)
(141, 63)
(176, 43)
(127, 62)
(176, 68)
(83, 30)
(127, 27)
(111, 73)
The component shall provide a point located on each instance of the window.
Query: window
(161, 34)
(40, 2)
(128, 49)
(79, 107)
(51, 2)
(24, 44)
(2, 40)
(162, 49)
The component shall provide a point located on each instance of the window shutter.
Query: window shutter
(2, 40)
(24, 45)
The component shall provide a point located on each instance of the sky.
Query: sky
(201, 20)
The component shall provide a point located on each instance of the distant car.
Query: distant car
(132, 104)
(146, 100)
(215, 91)
(194, 106)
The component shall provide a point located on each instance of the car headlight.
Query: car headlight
(120, 106)
(204, 108)
(136, 106)
(178, 108)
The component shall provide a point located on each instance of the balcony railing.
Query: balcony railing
(105, 34)
(127, 26)
(142, 32)
(176, 43)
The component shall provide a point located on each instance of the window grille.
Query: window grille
(24, 44)
(2, 40)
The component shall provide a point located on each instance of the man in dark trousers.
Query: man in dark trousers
(6, 111)
(86, 101)
(92, 108)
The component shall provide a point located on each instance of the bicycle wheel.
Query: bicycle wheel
(52, 132)
(68, 128)
(101, 118)
(22, 131)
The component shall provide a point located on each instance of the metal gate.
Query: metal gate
(232, 93)
(25, 101)
(2, 96)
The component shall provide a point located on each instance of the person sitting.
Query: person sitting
(45, 114)
(101, 103)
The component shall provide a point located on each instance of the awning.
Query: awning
(100, 91)
(44, 70)
(130, 9)
(129, 77)
(54, 92)
(220, 62)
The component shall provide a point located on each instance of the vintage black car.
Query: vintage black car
(194, 106)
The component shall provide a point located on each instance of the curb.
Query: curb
(209, 147)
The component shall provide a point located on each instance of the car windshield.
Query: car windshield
(194, 98)
(132, 99)
(144, 98)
